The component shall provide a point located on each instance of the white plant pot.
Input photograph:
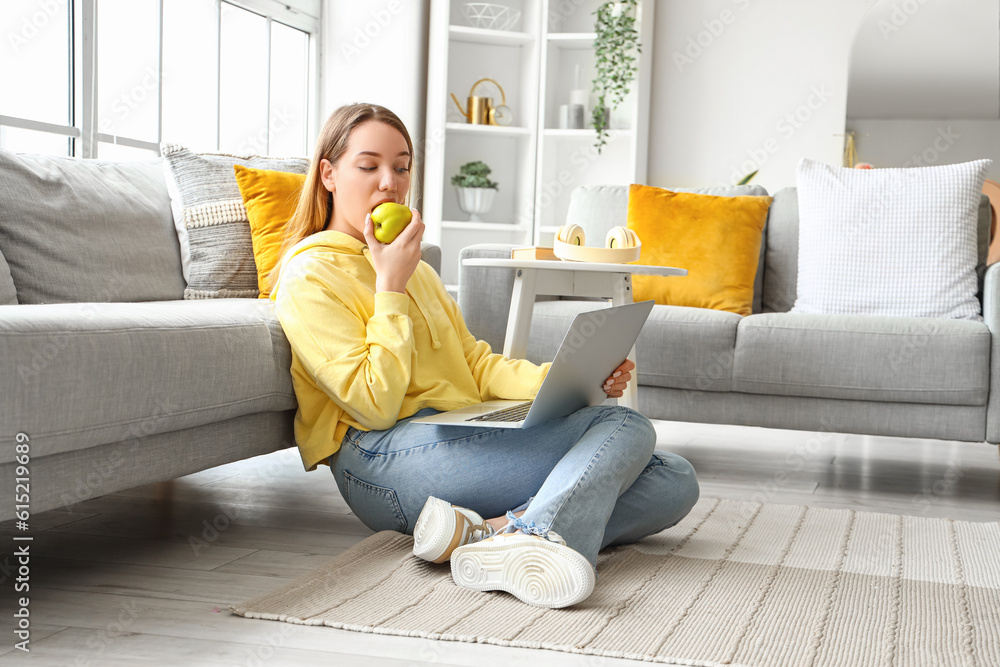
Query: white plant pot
(473, 201)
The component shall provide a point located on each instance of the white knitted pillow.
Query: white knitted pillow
(897, 242)
(211, 220)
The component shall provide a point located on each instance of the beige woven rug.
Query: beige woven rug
(734, 583)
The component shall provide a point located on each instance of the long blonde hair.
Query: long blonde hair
(315, 207)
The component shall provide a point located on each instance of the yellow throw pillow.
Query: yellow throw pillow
(270, 198)
(717, 239)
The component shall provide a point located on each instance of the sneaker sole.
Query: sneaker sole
(435, 531)
(540, 573)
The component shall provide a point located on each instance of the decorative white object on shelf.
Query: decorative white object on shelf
(491, 16)
(579, 104)
(473, 201)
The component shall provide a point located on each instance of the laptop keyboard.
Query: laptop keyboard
(515, 413)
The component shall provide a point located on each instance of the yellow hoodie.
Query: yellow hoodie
(367, 359)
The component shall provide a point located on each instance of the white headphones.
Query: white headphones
(621, 245)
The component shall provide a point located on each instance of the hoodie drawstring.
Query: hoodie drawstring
(431, 326)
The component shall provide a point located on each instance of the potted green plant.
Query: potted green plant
(474, 189)
(615, 49)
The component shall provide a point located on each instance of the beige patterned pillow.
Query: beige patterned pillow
(211, 221)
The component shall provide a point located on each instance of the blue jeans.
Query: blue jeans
(592, 477)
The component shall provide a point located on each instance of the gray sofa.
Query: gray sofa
(894, 376)
(115, 379)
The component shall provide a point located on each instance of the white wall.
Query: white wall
(739, 84)
(927, 59)
(918, 143)
(736, 84)
(925, 84)
(376, 51)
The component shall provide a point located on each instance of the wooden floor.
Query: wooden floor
(147, 575)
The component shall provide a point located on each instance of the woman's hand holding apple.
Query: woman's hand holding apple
(390, 219)
(395, 262)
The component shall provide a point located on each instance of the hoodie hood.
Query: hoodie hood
(345, 244)
(327, 240)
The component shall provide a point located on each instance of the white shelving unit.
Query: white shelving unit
(536, 164)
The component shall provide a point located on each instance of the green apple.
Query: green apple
(389, 220)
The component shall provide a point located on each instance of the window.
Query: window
(114, 78)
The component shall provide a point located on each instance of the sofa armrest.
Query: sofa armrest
(484, 293)
(991, 315)
(991, 298)
(431, 254)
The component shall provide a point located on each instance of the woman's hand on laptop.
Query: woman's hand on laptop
(615, 385)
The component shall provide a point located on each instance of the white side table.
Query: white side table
(563, 278)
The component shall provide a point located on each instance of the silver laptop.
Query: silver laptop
(595, 345)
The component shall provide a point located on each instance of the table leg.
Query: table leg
(522, 305)
(621, 294)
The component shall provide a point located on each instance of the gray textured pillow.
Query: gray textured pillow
(76, 230)
(8, 294)
(211, 220)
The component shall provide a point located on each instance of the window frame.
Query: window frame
(303, 15)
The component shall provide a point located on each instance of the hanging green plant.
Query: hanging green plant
(615, 49)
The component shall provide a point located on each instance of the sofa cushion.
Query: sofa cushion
(211, 220)
(894, 359)
(781, 250)
(679, 347)
(93, 373)
(598, 208)
(271, 198)
(76, 230)
(8, 294)
(898, 242)
(717, 239)
(781, 255)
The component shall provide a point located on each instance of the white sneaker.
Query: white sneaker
(441, 527)
(541, 571)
